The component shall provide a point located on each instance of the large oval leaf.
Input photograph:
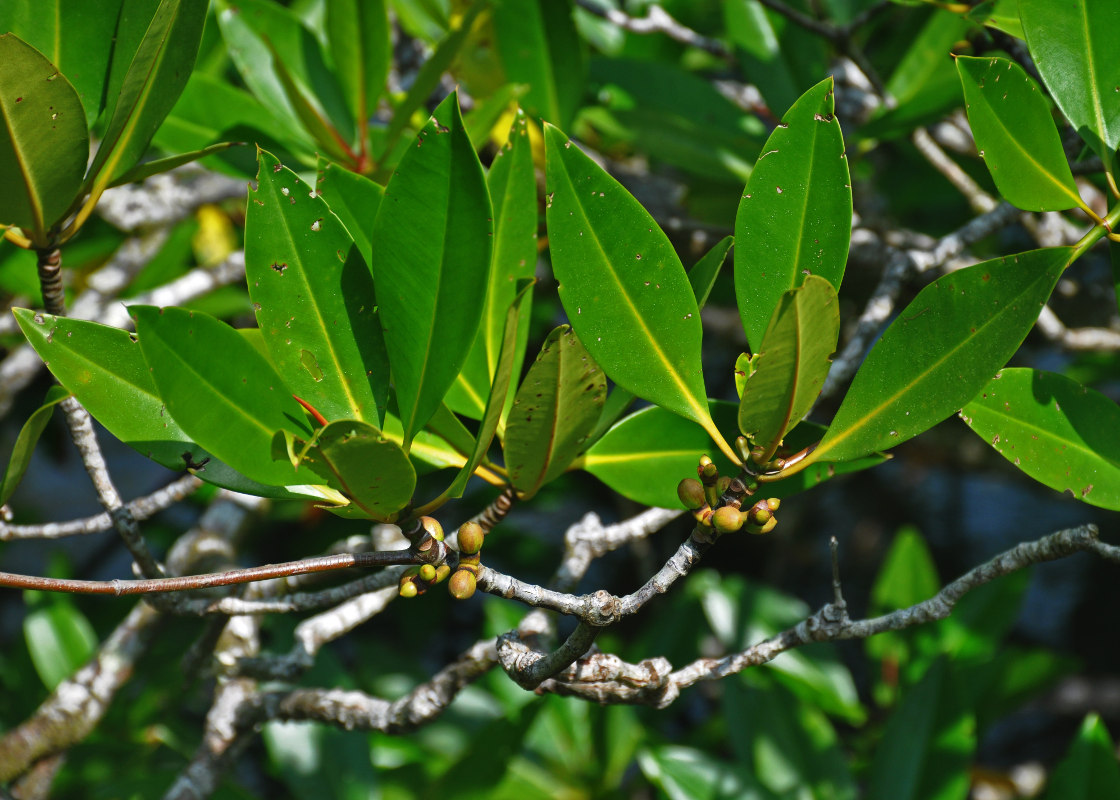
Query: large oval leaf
(104, 368)
(1015, 135)
(44, 144)
(554, 411)
(645, 456)
(314, 300)
(372, 471)
(787, 373)
(152, 84)
(795, 218)
(1074, 46)
(221, 391)
(1059, 432)
(513, 188)
(432, 243)
(940, 351)
(623, 286)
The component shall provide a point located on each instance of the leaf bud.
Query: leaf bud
(427, 573)
(728, 519)
(691, 493)
(471, 537)
(432, 526)
(462, 584)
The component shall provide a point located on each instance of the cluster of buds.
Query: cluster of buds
(416, 580)
(462, 583)
(716, 501)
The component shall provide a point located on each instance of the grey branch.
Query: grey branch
(657, 20)
(141, 508)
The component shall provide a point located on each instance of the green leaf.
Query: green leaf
(1062, 434)
(105, 370)
(795, 218)
(25, 443)
(513, 189)
(538, 46)
(790, 367)
(499, 391)
(1016, 136)
(372, 471)
(928, 743)
(623, 286)
(432, 263)
(221, 391)
(253, 31)
(940, 351)
(684, 773)
(702, 276)
(308, 111)
(149, 90)
(74, 35)
(358, 32)
(1089, 769)
(1003, 15)
(156, 166)
(44, 144)
(354, 199)
(555, 410)
(1074, 47)
(314, 298)
(59, 639)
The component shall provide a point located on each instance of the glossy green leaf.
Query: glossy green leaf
(554, 411)
(308, 111)
(1003, 15)
(685, 773)
(1016, 136)
(790, 367)
(156, 166)
(432, 263)
(1089, 769)
(499, 390)
(25, 443)
(372, 471)
(928, 743)
(221, 391)
(314, 298)
(256, 29)
(428, 449)
(358, 32)
(512, 185)
(538, 46)
(940, 351)
(622, 285)
(645, 456)
(59, 639)
(795, 218)
(74, 35)
(451, 429)
(702, 276)
(1062, 434)
(1074, 46)
(44, 143)
(354, 199)
(152, 84)
(104, 368)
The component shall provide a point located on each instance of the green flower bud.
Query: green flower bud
(728, 519)
(427, 573)
(462, 584)
(743, 447)
(471, 537)
(691, 493)
(442, 571)
(760, 513)
(707, 471)
(408, 589)
(769, 526)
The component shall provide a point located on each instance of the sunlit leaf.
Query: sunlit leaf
(1059, 432)
(795, 218)
(354, 199)
(1016, 136)
(372, 471)
(59, 639)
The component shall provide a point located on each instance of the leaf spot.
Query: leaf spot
(316, 224)
(279, 267)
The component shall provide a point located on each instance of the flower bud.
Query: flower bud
(471, 537)
(408, 589)
(691, 493)
(760, 513)
(707, 471)
(743, 447)
(442, 571)
(432, 526)
(462, 584)
(728, 519)
(427, 573)
(769, 526)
